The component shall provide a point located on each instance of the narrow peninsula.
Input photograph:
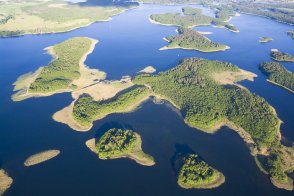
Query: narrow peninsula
(197, 174)
(119, 143)
(5, 181)
(41, 157)
(192, 40)
(281, 56)
(278, 75)
(65, 73)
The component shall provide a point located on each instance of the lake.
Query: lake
(126, 45)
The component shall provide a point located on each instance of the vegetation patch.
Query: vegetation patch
(291, 34)
(195, 173)
(278, 75)
(118, 143)
(192, 40)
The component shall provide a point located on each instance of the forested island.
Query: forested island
(5, 181)
(195, 173)
(65, 73)
(119, 143)
(265, 39)
(193, 17)
(192, 40)
(278, 74)
(51, 16)
(281, 56)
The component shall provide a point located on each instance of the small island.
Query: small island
(118, 143)
(265, 39)
(192, 40)
(278, 75)
(65, 73)
(195, 173)
(193, 17)
(41, 157)
(5, 181)
(281, 56)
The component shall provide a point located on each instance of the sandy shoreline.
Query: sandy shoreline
(5, 181)
(274, 83)
(41, 157)
(179, 47)
(148, 70)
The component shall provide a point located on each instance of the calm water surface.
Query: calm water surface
(126, 45)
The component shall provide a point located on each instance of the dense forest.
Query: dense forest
(195, 173)
(116, 142)
(277, 73)
(63, 70)
(191, 39)
(281, 56)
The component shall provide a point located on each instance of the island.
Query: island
(193, 17)
(281, 56)
(41, 157)
(51, 16)
(119, 143)
(195, 173)
(5, 181)
(265, 39)
(278, 75)
(65, 73)
(192, 40)
(291, 34)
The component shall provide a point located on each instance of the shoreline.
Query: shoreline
(214, 184)
(279, 85)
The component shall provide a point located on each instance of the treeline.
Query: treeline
(63, 70)
(277, 73)
(282, 56)
(11, 33)
(191, 39)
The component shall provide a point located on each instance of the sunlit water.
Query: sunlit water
(126, 45)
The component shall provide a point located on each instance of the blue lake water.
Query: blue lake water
(126, 45)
